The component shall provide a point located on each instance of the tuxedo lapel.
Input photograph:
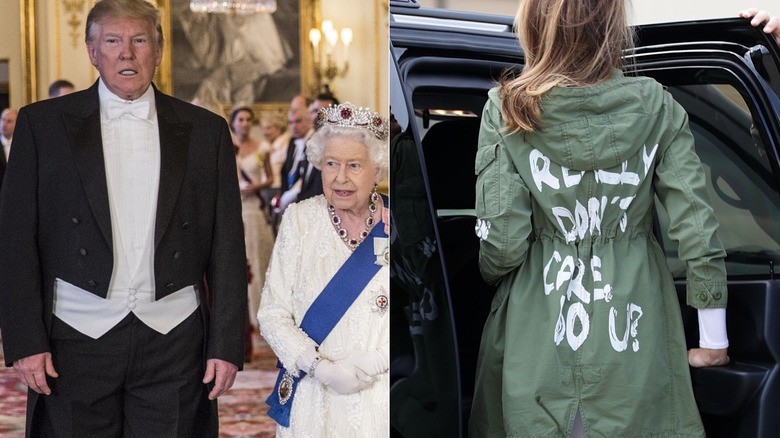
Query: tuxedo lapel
(84, 133)
(288, 163)
(174, 148)
(84, 136)
(291, 152)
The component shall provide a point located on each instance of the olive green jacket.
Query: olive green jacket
(586, 315)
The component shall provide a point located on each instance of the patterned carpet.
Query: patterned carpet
(242, 411)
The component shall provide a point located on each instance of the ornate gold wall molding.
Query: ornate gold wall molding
(75, 8)
(382, 24)
(29, 52)
(163, 76)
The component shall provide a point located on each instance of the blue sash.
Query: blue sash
(324, 313)
(245, 176)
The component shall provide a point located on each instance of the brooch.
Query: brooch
(285, 388)
(381, 251)
(380, 302)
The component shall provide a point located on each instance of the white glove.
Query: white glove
(370, 362)
(289, 197)
(342, 378)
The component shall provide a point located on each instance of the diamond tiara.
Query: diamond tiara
(350, 116)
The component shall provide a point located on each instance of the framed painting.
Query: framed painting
(261, 60)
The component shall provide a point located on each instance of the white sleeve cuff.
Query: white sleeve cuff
(712, 329)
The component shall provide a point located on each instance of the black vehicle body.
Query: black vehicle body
(725, 74)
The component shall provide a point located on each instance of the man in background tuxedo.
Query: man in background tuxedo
(310, 176)
(299, 125)
(322, 100)
(7, 125)
(125, 208)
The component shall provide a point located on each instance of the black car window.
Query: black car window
(742, 186)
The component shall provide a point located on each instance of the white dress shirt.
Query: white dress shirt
(131, 149)
(6, 146)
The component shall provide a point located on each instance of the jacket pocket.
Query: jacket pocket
(497, 180)
(487, 171)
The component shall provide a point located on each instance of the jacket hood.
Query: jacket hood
(599, 126)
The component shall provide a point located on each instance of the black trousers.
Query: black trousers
(131, 382)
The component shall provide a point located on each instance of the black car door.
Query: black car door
(438, 85)
(725, 74)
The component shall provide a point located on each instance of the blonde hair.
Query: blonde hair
(275, 119)
(134, 9)
(567, 43)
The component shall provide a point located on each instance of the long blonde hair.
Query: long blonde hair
(567, 43)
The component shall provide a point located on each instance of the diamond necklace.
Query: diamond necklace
(342, 232)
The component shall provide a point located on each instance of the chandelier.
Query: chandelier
(233, 7)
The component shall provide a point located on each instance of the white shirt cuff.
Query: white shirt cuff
(712, 329)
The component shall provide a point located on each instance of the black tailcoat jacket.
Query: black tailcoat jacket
(55, 219)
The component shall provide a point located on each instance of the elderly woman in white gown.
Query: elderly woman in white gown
(326, 296)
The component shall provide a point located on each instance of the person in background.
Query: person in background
(322, 100)
(299, 125)
(61, 87)
(325, 303)
(276, 138)
(307, 174)
(254, 174)
(585, 336)
(125, 208)
(759, 18)
(306, 178)
(299, 101)
(7, 126)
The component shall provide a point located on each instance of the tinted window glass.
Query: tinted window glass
(739, 176)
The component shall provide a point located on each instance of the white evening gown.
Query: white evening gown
(258, 235)
(307, 254)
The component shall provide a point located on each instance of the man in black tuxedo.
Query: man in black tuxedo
(123, 283)
(299, 124)
(311, 181)
(310, 176)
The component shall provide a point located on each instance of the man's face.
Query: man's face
(270, 130)
(314, 109)
(8, 123)
(297, 103)
(126, 53)
(299, 123)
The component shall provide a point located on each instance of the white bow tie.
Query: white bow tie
(117, 108)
